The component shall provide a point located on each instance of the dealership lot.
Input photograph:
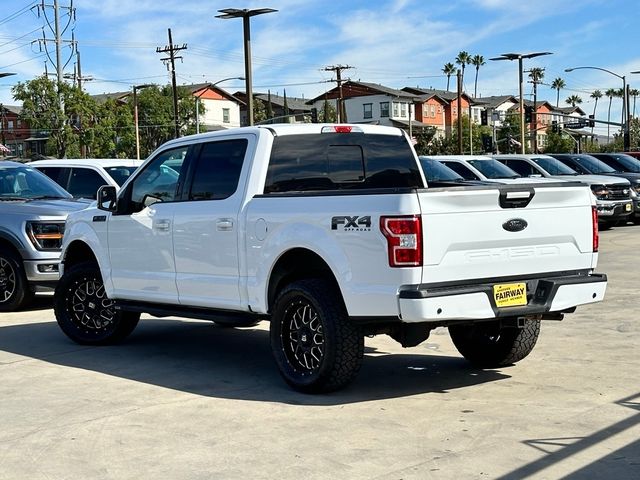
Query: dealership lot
(186, 399)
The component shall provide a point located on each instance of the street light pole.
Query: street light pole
(207, 86)
(520, 57)
(246, 15)
(625, 102)
(135, 114)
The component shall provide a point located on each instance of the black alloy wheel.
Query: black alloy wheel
(85, 313)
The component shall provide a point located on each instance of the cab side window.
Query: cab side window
(461, 170)
(84, 183)
(159, 179)
(217, 170)
(521, 167)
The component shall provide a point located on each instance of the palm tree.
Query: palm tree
(596, 95)
(573, 100)
(611, 92)
(536, 74)
(449, 69)
(463, 59)
(558, 84)
(478, 61)
(634, 92)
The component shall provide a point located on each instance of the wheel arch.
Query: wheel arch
(10, 245)
(296, 264)
(78, 252)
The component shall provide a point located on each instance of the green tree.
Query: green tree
(559, 142)
(113, 131)
(477, 61)
(558, 84)
(328, 113)
(449, 69)
(573, 100)
(60, 110)
(155, 116)
(259, 111)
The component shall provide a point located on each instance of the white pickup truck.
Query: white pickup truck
(331, 233)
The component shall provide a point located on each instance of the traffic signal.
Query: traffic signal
(484, 119)
(554, 127)
(528, 114)
(314, 115)
(487, 143)
(592, 122)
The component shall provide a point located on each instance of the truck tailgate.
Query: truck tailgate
(480, 233)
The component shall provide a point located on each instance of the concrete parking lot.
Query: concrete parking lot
(189, 400)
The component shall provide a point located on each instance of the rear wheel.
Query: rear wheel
(490, 345)
(316, 347)
(85, 313)
(14, 288)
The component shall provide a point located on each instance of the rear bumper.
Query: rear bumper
(422, 303)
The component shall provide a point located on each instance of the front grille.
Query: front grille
(619, 192)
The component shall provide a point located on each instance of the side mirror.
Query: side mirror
(107, 198)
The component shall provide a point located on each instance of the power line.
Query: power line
(337, 69)
(16, 14)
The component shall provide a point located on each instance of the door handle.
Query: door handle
(162, 225)
(224, 224)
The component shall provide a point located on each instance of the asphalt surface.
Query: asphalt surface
(189, 400)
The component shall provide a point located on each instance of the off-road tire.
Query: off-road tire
(83, 311)
(315, 345)
(488, 345)
(14, 288)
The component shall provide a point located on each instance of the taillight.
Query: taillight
(594, 228)
(404, 240)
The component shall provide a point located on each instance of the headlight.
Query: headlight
(46, 235)
(600, 191)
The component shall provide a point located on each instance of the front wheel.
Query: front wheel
(490, 345)
(316, 347)
(85, 313)
(14, 288)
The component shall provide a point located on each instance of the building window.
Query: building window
(396, 109)
(225, 115)
(368, 110)
(384, 109)
(9, 124)
(403, 110)
(433, 111)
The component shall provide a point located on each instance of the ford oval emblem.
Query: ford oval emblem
(515, 225)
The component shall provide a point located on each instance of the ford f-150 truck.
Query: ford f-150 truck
(331, 233)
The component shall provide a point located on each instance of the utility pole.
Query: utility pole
(341, 111)
(171, 49)
(58, 28)
(459, 109)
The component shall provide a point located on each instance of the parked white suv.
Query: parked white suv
(82, 177)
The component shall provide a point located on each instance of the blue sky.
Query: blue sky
(392, 42)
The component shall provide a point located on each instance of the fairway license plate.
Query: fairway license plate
(510, 294)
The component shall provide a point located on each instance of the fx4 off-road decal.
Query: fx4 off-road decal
(354, 223)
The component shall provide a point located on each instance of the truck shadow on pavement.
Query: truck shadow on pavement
(204, 359)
